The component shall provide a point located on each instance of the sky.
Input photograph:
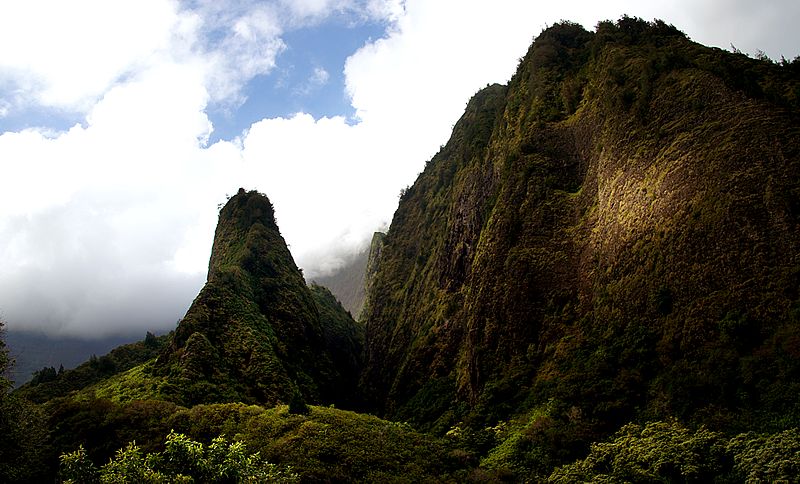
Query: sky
(125, 124)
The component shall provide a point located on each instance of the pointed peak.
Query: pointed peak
(247, 208)
(246, 231)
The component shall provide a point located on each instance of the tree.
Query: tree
(670, 452)
(24, 436)
(5, 362)
(657, 452)
(150, 340)
(297, 404)
(183, 460)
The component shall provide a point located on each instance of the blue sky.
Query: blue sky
(124, 124)
(309, 77)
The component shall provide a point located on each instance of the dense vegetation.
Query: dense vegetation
(596, 279)
(319, 445)
(615, 231)
(183, 460)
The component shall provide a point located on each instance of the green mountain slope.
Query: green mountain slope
(615, 231)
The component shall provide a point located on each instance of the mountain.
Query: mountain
(611, 236)
(256, 332)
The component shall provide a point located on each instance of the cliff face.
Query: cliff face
(616, 231)
(370, 269)
(256, 332)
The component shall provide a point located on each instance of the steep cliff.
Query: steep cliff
(615, 231)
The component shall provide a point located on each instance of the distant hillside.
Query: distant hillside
(33, 351)
(350, 283)
(50, 382)
(347, 283)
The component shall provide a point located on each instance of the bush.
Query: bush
(669, 452)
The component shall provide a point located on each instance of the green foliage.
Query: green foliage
(46, 374)
(766, 457)
(23, 433)
(183, 460)
(325, 444)
(657, 452)
(341, 446)
(77, 468)
(533, 443)
(666, 451)
(24, 442)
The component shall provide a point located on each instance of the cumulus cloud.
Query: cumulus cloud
(66, 54)
(107, 227)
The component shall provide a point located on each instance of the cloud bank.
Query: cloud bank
(106, 227)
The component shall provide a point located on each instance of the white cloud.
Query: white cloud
(66, 54)
(109, 224)
(319, 77)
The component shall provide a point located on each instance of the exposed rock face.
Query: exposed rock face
(616, 230)
(255, 331)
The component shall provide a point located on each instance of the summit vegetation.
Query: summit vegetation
(596, 279)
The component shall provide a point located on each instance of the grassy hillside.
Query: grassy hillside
(324, 445)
